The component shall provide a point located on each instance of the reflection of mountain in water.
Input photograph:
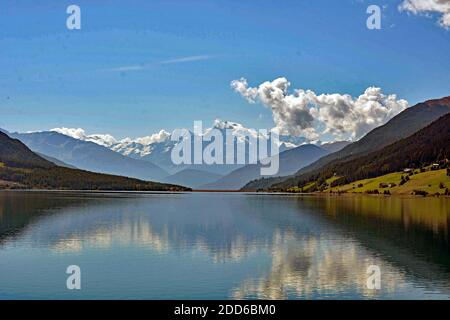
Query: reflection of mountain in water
(19, 209)
(317, 246)
(406, 235)
(159, 222)
(410, 232)
(313, 267)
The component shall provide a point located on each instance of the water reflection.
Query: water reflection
(318, 268)
(243, 246)
(429, 213)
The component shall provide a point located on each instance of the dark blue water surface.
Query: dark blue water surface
(222, 246)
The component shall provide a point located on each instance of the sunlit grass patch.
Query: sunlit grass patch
(432, 182)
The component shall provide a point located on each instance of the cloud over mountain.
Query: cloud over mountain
(108, 140)
(304, 113)
(160, 136)
(440, 7)
(157, 147)
(105, 140)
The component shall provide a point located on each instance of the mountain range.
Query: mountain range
(102, 153)
(149, 158)
(192, 178)
(20, 168)
(290, 161)
(157, 147)
(89, 156)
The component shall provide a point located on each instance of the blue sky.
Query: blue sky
(189, 51)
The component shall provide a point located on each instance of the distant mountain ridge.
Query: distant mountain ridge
(85, 154)
(289, 162)
(332, 147)
(94, 153)
(22, 168)
(192, 178)
(89, 156)
(55, 161)
(157, 147)
(401, 126)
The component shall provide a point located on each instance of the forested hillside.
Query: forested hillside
(430, 145)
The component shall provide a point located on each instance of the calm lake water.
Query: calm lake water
(222, 246)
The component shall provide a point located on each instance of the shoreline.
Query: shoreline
(263, 193)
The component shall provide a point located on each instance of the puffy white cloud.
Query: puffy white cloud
(108, 140)
(304, 113)
(71, 132)
(78, 133)
(102, 139)
(161, 136)
(290, 112)
(241, 86)
(441, 7)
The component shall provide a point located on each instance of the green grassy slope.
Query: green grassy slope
(432, 182)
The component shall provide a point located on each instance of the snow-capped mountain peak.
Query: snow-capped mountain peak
(157, 147)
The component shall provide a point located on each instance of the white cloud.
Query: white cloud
(440, 7)
(186, 59)
(78, 133)
(161, 136)
(144, 66)
(71, 132)
(108, 140)
(304, 113)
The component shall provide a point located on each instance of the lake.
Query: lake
(222, 246)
